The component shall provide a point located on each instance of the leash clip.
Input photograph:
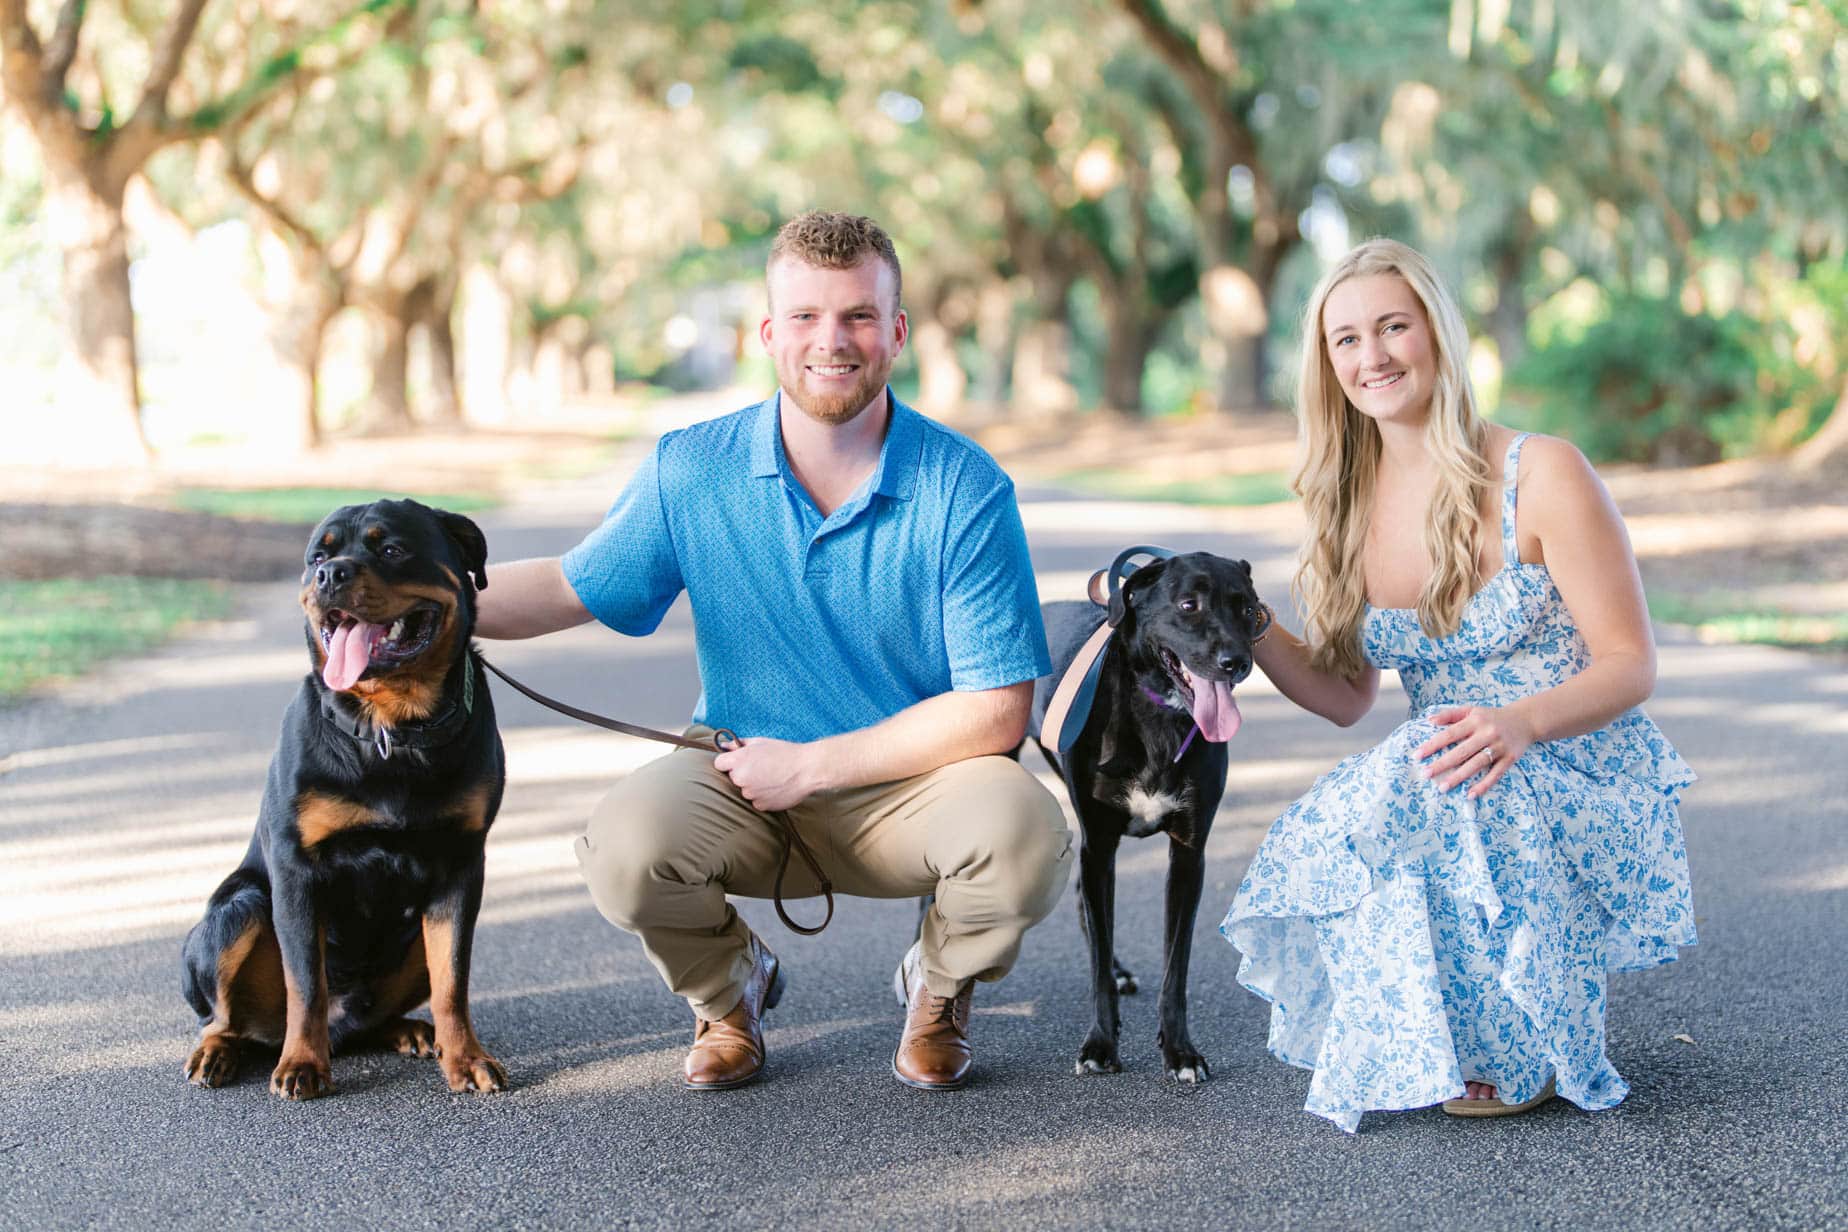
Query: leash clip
(381, 740)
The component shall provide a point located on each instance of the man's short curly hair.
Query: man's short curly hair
(835, 241)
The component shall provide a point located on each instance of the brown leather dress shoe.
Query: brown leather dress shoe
(933, 1053)
(730, 1052)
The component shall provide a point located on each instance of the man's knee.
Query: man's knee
(631, 846)
(1021, 832)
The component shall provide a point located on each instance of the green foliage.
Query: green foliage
(55, 629)
(1643, 381)
(1262, 488)
(781, 62)
(1716, 621)
(310, 505)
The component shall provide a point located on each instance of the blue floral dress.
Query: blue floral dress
(1410, 938)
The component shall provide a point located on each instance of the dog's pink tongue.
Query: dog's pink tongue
(1214, 711)
(348, 653)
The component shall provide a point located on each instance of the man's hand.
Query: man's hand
(773, 774)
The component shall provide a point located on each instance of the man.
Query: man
(866, 619)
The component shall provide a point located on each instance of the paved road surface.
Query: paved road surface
(125, 799)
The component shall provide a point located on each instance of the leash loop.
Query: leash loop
(722, 740)
(786, 831)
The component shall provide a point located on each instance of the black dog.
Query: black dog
(1151, 758)
(357, 899)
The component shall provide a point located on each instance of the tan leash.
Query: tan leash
(721, 740)
(1077, 688)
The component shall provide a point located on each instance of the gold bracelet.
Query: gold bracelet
(1270, 618)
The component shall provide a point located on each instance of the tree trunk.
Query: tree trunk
(1126, 355)
(994, 336)
(1830, 444)
(103, 406)
(388, 407)
(1043, 369)
(446, 398)
(299, 336)
(941, 379)
(1508, 323)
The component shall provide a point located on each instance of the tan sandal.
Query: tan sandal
(1495, 1108)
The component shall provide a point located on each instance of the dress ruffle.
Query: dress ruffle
(1377, 878)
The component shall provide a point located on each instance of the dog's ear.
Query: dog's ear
(470, 542)
(1124, 601)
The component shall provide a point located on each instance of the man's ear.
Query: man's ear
(1123, 603)
(470, 542)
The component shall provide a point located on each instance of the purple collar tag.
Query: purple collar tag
(1161, 701)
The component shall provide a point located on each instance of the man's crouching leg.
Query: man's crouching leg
(658, 855)
(992, 844)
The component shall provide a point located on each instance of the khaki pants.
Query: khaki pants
(672, 839)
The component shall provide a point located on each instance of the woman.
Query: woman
(1434, 920)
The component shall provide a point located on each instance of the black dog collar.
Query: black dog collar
(429, 733)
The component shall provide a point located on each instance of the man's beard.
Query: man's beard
(834, 409)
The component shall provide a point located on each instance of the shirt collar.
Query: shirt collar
(897, 472)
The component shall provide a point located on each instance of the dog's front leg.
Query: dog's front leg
(1097, 912)
(1186, 875)
(449, 940)
(303, 1071)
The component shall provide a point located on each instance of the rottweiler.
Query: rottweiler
(1151, 759)
(357, 899)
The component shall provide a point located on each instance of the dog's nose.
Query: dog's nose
(1238, 666)
(333, 575)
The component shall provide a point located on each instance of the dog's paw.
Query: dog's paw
(1184, 1064)
(302, 1076)
(214, 1062)
(1098, 1056)
(411, 1036)
(1125, 979)
(471, 1069)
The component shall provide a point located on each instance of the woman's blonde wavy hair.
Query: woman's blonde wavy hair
(1341, 451)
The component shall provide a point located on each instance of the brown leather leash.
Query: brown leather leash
(722, 739)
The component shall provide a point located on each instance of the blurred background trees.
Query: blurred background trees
(279, 219)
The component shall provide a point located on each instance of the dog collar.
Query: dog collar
(1161, 701)
(429, 733)
(1077, 688)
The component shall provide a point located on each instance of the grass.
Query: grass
(1760, 626)
(55, 629)
(310, 505)
(1258, 488)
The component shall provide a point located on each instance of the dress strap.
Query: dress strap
(1511, 471)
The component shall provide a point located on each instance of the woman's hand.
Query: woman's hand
(1476, 741)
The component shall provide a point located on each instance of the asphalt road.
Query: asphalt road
(123, 801)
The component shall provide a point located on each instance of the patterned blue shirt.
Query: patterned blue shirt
(807, 626)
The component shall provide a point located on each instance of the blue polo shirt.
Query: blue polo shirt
(807, 626)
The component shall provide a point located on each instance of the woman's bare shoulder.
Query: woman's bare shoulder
(1560, 480)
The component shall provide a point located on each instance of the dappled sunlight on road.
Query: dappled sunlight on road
(1819, 880)
(125, 785)
(103, 750)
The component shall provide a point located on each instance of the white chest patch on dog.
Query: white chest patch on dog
(1149, 807)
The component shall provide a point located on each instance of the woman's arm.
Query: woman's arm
(1285, 659)
(1585, 547)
